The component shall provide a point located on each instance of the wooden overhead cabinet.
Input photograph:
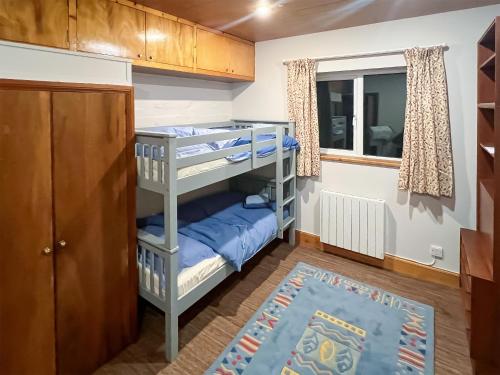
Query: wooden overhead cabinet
(153, 40)
(169, 42)
(241, 58)
(212, 51)
(42, 22)
(220, 53)
(111, 28)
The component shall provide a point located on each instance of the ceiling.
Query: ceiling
(296, 17)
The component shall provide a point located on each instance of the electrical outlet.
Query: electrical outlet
(437, 251)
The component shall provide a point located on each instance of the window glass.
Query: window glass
(335, 113)
(384, 105)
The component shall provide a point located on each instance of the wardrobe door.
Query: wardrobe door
(26, 266)
(90, 201)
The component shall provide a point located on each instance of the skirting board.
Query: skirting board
(390, 262)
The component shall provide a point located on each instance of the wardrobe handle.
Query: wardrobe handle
(47, 251)
(61, 244)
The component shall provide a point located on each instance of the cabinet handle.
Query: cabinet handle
(47, 251)
(139, 55)
(151, 57)
(62, 244)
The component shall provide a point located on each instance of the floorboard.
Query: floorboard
(210, 325)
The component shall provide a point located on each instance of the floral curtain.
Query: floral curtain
(303, 109)
(427, 165)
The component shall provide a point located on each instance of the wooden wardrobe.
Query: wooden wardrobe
(68, 285)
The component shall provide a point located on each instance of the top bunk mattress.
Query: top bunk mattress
(186, 171)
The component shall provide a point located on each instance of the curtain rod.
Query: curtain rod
(366, 54)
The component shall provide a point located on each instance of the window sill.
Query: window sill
(377, 162)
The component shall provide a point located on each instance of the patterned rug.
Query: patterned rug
(319, 322)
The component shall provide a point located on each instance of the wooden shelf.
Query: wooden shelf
(489, 149)
(480, 248)
(475, 245)
(488, 38)
(486, 105)
(489, 186)
(489, 64)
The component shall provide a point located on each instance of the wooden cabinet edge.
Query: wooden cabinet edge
(155, 67)
(222, 74)
(162, 66)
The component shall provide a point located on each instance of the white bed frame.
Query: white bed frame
(165, 182)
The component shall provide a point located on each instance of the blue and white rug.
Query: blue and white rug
(319, 322)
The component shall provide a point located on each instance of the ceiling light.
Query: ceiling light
(263, 10)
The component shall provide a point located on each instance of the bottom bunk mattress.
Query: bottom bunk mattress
(187, 279)
(225, 232)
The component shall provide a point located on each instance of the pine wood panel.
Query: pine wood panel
(169, 41)
(298, 17)
(43, 22)
(241, 58)
(26, 275)
(111, 28)
(210, 325)
(212, 51)
(90, 182)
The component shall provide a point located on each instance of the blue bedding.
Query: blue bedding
(236, 233)
(218, 224)
(191, 252)
(289, 143)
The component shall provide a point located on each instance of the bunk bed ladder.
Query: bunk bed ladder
(289, 202)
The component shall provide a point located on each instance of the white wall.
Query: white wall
(164, 100)
(25, 61)
(416, 222)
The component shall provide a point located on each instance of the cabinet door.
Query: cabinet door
(43, 22)
(212, 51)
(27, 342)
(110, 28)
(242, 58)
(168, 41)
(90, 203)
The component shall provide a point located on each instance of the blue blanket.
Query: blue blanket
(289, 143)
(236, 233)
(191, 252)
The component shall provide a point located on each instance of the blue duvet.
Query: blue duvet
(289, 143)
(236, 233)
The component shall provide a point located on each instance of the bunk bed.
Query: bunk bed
(166, 166)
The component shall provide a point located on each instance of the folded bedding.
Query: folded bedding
(256, 201)
(289, 143)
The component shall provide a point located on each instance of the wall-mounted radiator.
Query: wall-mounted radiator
(353, 223)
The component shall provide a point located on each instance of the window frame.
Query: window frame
(358, 108)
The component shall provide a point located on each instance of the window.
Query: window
(362, 113)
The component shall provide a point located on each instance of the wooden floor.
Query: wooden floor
(211, 324)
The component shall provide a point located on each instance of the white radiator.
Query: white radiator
(353, 223)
